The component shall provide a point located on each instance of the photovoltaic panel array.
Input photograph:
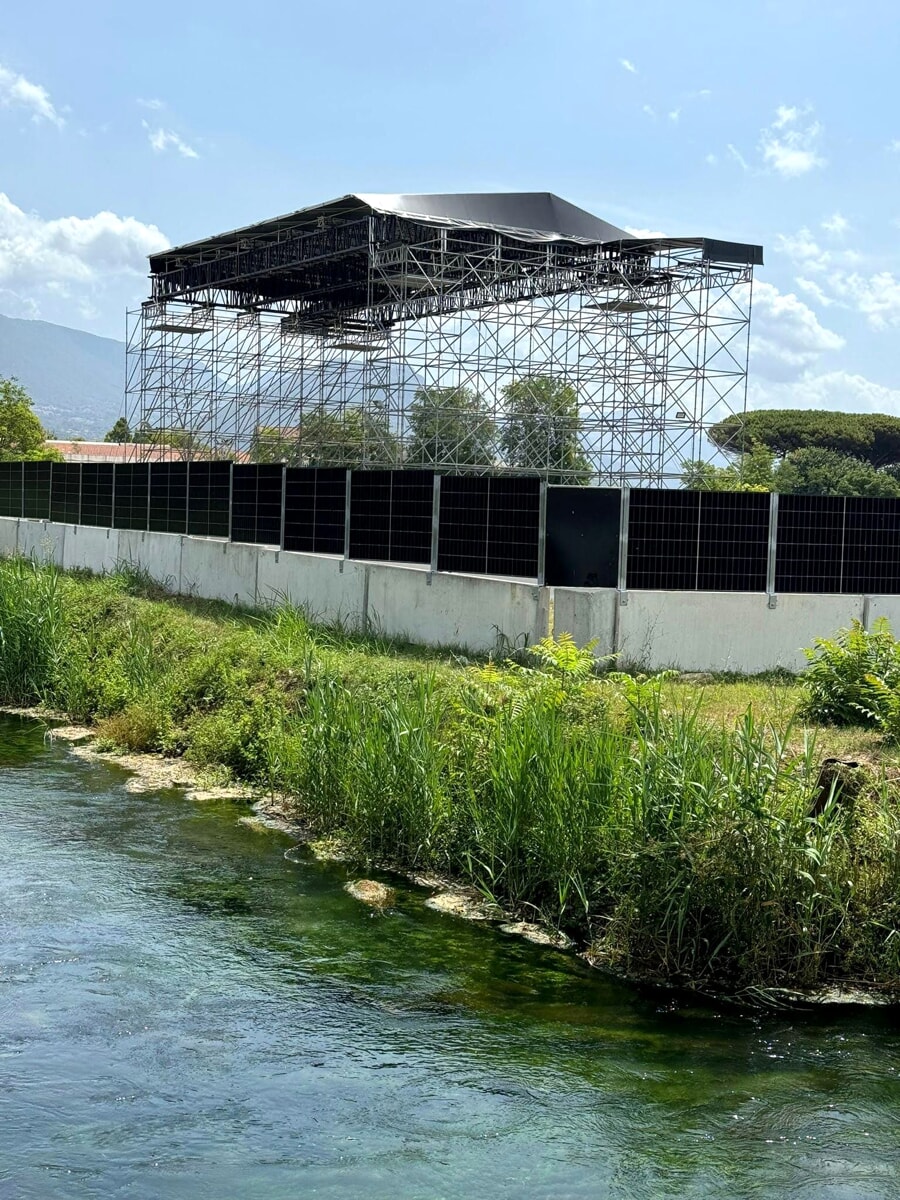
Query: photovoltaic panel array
(97, 494)
(315, 501)
(688, 541)
(11, 489)
(256, 504)
(168, 497)
(65, 493)
(810, 544)
(131, 495)
(489, 525)
(582, 548)
(391, 515)
(36, 490)
(209, 499)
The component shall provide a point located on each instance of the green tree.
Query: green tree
(22, 436)
(325, 438)
(542, 429)
(817, 472)
(120, 432)
(753, 472)
(872, 437)
(449, 426)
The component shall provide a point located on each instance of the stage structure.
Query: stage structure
(461, 332)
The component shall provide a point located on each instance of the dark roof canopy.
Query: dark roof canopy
(532, 216)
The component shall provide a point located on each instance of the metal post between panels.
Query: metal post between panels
(542, 535)
(435, 522)
(112, 514)
(622, 580)
(347, 494)
(772, 557)
(230, 498)
(283, 505)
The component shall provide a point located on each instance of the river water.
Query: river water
(186, 1013)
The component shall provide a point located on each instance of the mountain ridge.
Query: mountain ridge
(76, 379)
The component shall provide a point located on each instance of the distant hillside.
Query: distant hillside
(77, 379)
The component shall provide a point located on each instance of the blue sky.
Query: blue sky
(124, 128)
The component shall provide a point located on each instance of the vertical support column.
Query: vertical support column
(622, 580)
(772, 558)
(112, 514)
(283, 504)
(347, 494)
(435, 524)
(542, 536)
(149, 478)
(187, 497)
(230, 498)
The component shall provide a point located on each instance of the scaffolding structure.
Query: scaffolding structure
(359, 333)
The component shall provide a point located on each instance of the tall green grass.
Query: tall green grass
(678, 848)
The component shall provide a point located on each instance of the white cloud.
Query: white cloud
(152, 104)
(70, 259)
(835, 390)
(649, 110)
(786, 336)
(836, 224)
(712, 159)
(894, 146)
(18, 92)
(628, 65)
(649, 234)
(166, 139)
(790, 145)
(675, 114)
(840, 281)
(738, 157)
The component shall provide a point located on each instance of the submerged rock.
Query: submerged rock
(535, 933)
(371, 892)
(461, 904)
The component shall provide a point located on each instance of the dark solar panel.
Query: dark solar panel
(209, 499)
(256, 504)
(65, 493)
(168, 497)
(370, 515)
(733, 546)
(314, 509)
(462, 536)
(663, 533)
(512, 526)
(412, 506)
(810, 544)
(10, 489)
(36, 490)
(872, 546)
(97, 494)
(582, 536)
(131, 495)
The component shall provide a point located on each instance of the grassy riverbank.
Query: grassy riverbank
(664, 822)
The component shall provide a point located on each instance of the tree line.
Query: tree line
(806, 452)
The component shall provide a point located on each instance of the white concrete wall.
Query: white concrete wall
(727, 631)
(693, 631)
(587, 613)
(90, 548)
(452, 610)
(314, 582)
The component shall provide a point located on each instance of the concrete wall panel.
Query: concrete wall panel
(42, 540)
(313, 582)
(219, 570)
(159, 554)
(9, 536)
(453, 610)
(586, 613)
(92, 549)
(727, 631)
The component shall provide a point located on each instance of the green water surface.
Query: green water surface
(184, 1012)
